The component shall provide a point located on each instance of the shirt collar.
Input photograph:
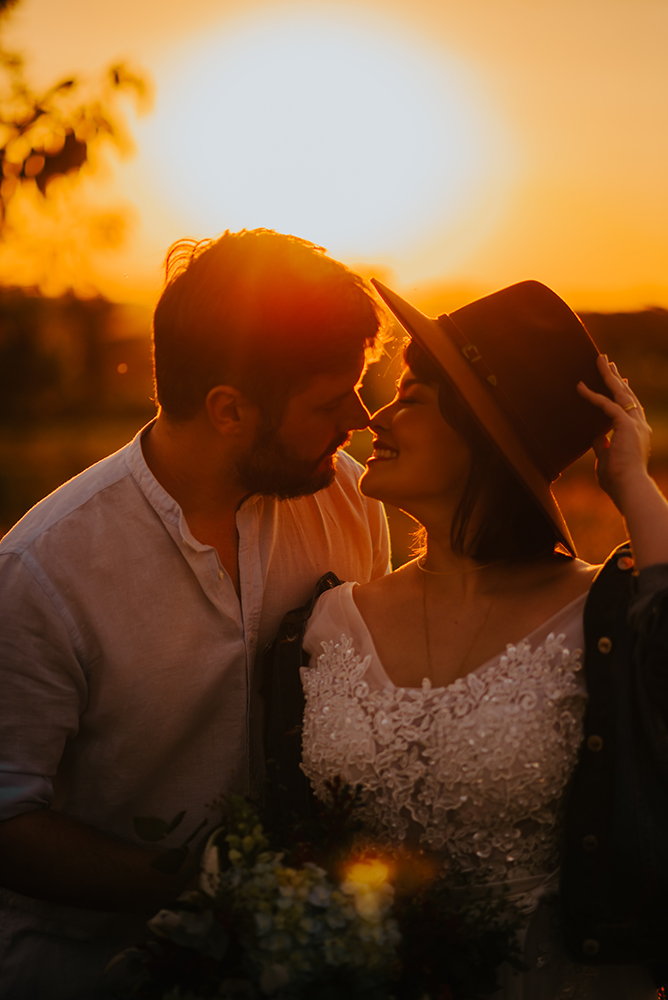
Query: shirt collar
(158, 497)
(165, 505)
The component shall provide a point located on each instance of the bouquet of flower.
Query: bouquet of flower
(321, 920)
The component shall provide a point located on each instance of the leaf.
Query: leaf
(150, 828)
(72, 156)
(170, 861)
(176, 821)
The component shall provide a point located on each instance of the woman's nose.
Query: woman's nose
(381, 419)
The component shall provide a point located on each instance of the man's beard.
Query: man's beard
(271, 469)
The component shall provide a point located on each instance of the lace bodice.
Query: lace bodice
(476, 770)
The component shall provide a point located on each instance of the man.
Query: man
(134, 599)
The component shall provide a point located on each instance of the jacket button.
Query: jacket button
(590, 843)
(604, 644)
(625, 562)
(590, 947)
(595, 743)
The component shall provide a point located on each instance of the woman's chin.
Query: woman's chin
(371, 484)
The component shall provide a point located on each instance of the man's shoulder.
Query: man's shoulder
(348, 470)
(345, 487)
(67, 500)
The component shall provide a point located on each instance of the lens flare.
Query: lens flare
(371, 872)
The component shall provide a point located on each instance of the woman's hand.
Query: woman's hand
(622, 456)
(621, 467)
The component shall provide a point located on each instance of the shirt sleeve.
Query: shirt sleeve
(43, 686)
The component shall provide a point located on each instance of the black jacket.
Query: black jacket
(614, 869)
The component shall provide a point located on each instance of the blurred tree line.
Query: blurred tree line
(68, 358)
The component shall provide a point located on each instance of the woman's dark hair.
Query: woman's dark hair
(511, 524)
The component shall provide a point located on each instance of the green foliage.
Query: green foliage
(48, 135)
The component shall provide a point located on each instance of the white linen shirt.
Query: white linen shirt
(126, 657)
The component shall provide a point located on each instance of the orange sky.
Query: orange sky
(454, 146)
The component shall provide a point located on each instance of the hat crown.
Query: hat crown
(531, 350)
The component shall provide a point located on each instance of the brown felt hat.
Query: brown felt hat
(516, 357)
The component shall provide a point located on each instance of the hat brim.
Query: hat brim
(431, 335)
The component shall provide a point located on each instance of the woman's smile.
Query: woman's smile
(417, 456)
(382, 452)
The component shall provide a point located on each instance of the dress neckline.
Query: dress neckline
(348, 588)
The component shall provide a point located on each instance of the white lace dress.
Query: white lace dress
(475, 770)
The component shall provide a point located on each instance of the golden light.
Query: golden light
(370, 872)
(325, 124)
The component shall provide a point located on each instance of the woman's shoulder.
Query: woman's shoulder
(386, 590)
(334, 614)
(557, 580)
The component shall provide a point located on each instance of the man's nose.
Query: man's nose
(357, 416)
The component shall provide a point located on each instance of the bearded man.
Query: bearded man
(135, 598)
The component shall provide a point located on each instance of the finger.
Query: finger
(622, 392)
(613, 408)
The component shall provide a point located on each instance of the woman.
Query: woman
(452, 691)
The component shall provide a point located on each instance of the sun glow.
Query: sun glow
(325, 126)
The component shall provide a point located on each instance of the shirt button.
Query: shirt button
(625, 562)
(590, 947)
(604, 644)
(590, 843)
(221, 574)
(595, 743)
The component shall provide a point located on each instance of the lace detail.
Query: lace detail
(476, 770)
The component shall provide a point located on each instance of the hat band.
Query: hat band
(485, 374)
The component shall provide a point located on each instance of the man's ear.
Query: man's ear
(229, 410)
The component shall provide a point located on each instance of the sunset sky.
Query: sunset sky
(449, 146)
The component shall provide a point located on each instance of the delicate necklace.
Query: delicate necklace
(425, 619)
(419, 562)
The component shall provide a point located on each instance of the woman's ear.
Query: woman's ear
(229, 411)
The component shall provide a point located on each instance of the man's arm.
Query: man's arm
(49, 856)
(43, 853)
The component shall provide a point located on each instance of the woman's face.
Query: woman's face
(418, 459)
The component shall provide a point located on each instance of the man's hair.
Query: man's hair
(259, 311)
